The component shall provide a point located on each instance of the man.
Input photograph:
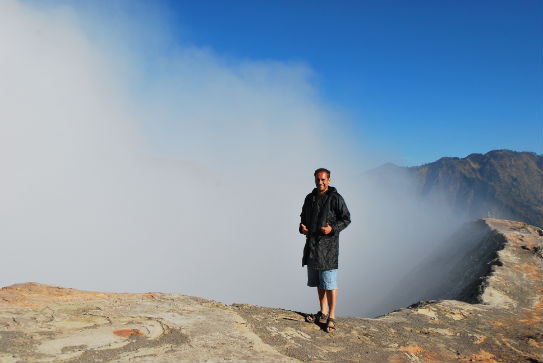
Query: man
(324, 216)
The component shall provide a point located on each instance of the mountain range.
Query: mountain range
(500, 184)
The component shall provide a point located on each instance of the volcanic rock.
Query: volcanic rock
(503, 322)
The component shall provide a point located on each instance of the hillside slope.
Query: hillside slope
(500, 184)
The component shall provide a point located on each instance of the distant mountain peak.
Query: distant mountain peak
(500, 183)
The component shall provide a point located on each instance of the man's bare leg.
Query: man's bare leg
(331, 297)
(322, 300)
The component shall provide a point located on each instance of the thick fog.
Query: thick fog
(183, 173)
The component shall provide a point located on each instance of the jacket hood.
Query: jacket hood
(329, 191)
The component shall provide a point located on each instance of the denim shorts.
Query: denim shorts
(325, 279)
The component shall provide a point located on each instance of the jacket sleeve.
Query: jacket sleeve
(302, 216)
(343, 216)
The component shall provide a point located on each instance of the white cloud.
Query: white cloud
(186, 179)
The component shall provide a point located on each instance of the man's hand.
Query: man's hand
(304, 229)
(327, 229)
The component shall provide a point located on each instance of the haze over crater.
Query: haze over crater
(190, 181)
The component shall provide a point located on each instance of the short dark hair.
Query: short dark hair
(320, 170)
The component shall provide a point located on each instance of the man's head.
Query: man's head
(322, 179)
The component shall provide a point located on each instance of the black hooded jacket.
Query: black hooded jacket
(321, 251)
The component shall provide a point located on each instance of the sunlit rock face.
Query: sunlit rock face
(499, 319)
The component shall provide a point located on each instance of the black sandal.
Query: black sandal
(330, 325)
(318, 317)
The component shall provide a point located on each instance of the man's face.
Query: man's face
(321, 181)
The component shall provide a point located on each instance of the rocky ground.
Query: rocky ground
(45, 323)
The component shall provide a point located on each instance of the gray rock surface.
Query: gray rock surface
(46, 323)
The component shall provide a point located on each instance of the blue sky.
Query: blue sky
(413, 80)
